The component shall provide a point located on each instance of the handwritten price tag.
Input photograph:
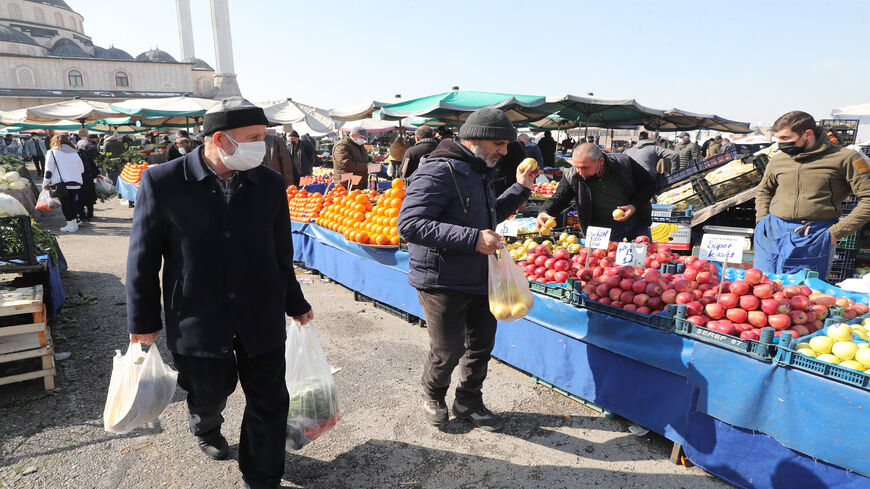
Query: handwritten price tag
(597, 238)
(722, 248)
(631, 254)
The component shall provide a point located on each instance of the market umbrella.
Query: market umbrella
(683, 120)
(598, 112)
(428, 122)
(374, 125)
(361, 111)
(80, 110)
(291, 112)
(554, 122)
(455, 106)
(164, 107)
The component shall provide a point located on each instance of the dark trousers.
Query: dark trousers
(461, 332)
(209, 381)
(39, 163)
(68, 204)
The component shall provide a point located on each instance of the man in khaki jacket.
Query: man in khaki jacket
(349, 156)
(798, 204)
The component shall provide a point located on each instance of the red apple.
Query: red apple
(707, 299)
(626, 284)
(800, 302)
(791, 291)
(605, 300)
(724, 327)
(560, 277)
(682, 285)
(643, 310)
(630, 307)
(698, 320)
(780, 322)
(613, 281)
(541, 260)
(806, 290)
(753, 276)
(763, 291)
(757, 318)
(669, 296)
(653, 289)
(740, 287)
(749, 302)
(652, 275)
(704, 278)
(737, 315)
(614, 294)
(729, 300)
(770, 306)
(639, 286)
(684, 298)
(640, 300)
(849, 314)
(749, 335)
(561, 254)
(561, 265)
(549, 274)
(715, 311)
(606, 262)
(626, 297)
(694, 308)
(655, 303)
(801, 330)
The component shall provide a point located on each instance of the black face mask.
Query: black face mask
(791, 148)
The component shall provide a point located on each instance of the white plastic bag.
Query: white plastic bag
(45, 202)
(140, 389)
(313, 403)
(104, 187)
(509, 295)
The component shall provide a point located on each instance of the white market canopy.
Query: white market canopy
(165, 107)
(82, 111)
(287, 111)
(374, 125)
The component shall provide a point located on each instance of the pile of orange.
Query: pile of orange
(366, 218)
(304, 206)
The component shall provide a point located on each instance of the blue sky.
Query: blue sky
(745, 60)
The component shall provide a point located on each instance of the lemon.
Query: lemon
(844, 350)
(827, 357)
(853, 365)
(821, 344)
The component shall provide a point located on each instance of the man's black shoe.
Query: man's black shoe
(214, 448)
(435, 411)
(482, 417)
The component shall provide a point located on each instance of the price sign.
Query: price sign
(722, 248)
(597, 238)
(631, 254)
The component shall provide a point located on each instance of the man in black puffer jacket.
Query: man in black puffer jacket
(425, 144)
(448, 218)
(599, 184)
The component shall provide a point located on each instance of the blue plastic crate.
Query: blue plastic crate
(733, 274)
(786, 356)
(663, 321)
(561, 292)
(763, 349)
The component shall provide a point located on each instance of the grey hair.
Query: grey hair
(589, 150)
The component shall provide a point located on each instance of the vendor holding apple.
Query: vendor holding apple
(798, 203)
(609, 190)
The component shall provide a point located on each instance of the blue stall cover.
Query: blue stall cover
(786, 404)
(827, 288)
(127, 190)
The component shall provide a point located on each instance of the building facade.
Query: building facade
(45, 57)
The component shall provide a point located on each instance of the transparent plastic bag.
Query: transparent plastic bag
(313, 403)
(140, 389)
(509, 295)
(45, 202)
(104, 187)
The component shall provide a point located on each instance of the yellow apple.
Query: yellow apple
(572, 239)
(840, 332)
(821, 344)
(551, 223)
(544, 231)
(519, 310)
(618, 214)
(500, 311)
(853, 365)
(862, 356)
(530, 163)
(827, 357)
(844, 350)
(808, 352)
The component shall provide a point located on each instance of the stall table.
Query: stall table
(750, 423)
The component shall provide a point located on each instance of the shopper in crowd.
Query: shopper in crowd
(350, 156)
(82, 141)
(308, 156)
(184, 145)
(448, 217)
(547, 146)
(425, 144)
(599, 184)
(568, 143)
(219, 222)
(505, 174)
(173, 151)
(647, 153)
(114, 148)
(728, 146)
(665, 165)
(89, 152)
(63, 177)
(12, 146)
(443, 133)
(34, 148)
(278, 158)
(395, 155)
(532, 149)
(590, 140)
(687, 150)
(714, 148)
(798, 204)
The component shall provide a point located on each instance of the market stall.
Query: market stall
(736, 415)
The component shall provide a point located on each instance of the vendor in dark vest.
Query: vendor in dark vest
(798, 205)
(599, 184)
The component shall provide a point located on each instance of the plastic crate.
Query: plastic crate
(759, 160)
(561, 292)
(734, 186)
(666, 180)
(17, 247)
(848, 243)
(716, 160)
(786, 356)
(703, 190)
(842, 123)
(843, 266)
(663, 321)
(763, 349)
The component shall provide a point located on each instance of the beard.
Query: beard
(489, 159)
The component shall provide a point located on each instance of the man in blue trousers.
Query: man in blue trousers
(799, 201)
(217, 220)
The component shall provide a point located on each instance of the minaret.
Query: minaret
(185, 30)
(224, 79)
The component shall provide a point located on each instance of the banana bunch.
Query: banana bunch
(660, 232)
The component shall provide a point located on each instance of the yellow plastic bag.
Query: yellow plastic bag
(509, 295)
(140, 389)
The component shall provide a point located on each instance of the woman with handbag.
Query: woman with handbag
(63, 177)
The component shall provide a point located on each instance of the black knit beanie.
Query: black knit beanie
(231, 113)
(488, 124)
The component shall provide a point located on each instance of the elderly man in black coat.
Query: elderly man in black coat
(218, 223)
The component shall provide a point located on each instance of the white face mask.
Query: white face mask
(359, 141)
(182, 150)
(247, 155)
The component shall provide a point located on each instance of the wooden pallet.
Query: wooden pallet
(29, 340)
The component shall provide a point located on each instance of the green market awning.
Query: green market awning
(599, 112)
(455, 106)
(165, 107)
(683, 120)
